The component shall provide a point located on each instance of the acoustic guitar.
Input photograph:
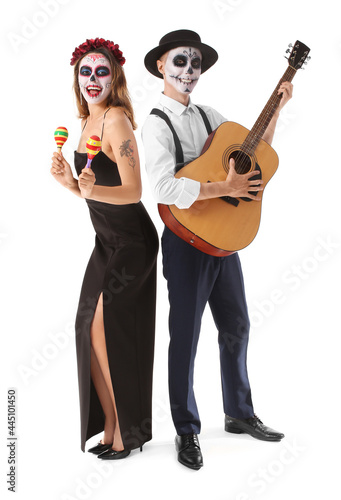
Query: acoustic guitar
(221, 226)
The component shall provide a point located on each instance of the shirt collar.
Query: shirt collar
(175, 106)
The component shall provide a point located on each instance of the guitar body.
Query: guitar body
(216, 226)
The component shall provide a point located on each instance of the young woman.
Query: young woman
(115, 322)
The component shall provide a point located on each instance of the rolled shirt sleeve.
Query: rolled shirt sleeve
(159, 149)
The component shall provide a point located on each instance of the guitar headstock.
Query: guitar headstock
(298, 54)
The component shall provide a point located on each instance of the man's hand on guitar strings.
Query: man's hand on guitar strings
(239, 185)
(236, 185)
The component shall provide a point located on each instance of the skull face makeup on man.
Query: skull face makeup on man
(183, 68)
(94, 78)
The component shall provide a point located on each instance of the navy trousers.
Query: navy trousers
(195, 278)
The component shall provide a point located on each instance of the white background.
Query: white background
(291, 270)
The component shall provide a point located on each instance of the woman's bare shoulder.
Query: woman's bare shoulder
(116, 117)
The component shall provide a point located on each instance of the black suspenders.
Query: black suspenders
(204, 117)
(179, 155)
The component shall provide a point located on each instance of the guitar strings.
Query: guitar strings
(242, 158)
(272, 104)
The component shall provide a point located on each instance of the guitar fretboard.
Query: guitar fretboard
(257, 131)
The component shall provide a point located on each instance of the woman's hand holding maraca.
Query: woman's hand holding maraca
(61, 171)
(86, 182)
(87, 178)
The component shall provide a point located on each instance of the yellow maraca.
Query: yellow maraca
(60, 136)
(93, 146)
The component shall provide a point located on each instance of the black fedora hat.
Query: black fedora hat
(180, 38)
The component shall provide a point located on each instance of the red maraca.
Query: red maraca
(93, 146)
(60, 136)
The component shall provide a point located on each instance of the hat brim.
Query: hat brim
(209, 55)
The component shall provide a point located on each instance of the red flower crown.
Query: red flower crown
(92, 44)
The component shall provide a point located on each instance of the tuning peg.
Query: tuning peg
(287, 51)
(290, 45)
(308, 58)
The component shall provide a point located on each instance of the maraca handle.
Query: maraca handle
(88, 165)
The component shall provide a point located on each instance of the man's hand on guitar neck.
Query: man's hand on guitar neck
(235, 185)
(286, 89)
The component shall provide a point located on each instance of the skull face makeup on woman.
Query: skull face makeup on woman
(94, 78)
(183, 68)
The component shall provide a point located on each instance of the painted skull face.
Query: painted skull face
(94, 78)
(183, 68)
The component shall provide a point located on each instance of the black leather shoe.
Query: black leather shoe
(253, 426)
(113, 454)
(189, 453)
(99, 448)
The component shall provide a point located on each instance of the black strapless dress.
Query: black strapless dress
(123, 267)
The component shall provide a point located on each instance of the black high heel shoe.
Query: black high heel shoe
(99, 448)
(115, 455)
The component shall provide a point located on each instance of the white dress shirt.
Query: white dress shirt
(159, 149)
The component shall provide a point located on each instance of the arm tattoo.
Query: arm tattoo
(126, 149)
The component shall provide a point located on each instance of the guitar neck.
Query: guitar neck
(259, 128)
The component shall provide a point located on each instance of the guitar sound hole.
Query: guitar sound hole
(243, 166)
(242, 162)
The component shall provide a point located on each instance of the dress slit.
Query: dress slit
(100, 360)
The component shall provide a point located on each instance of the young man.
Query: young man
(195, 278)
